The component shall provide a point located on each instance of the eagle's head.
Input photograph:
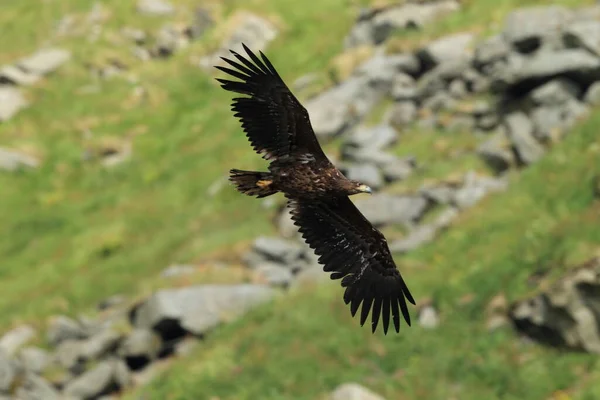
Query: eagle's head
(358, 187)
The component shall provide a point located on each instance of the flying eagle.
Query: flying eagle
(278, 128)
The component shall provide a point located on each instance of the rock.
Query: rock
(99, 345)
(68, 355)
(523, 73)
(274, 274)
(378, 137)
(402, 113)
(63, 328)
(403, 87)
(555, 92)
(197, 309)
(366, 173)
(177, 270)
(383, 68)
(11, 160)
(385, 209)
(475, 188)
(34, 359)
(448, 48)
(169, 39)
(491, 51)
(285, 224)
(530, 28)
(138, 36)
(398, 169)
(203, 21)
(592, 95)
(11, 102)
(428, 317)
(353, 391)
(14, 339)
(34, 387)
(277, 250)
(105, 378)
(368, 155)
(519, 130)
(8, 372)
(155, 7)
(566, 314)
(12, 75)
(424, 234)
(374, 27)
(250, 29)
(496, 152)
(551, 121)
(141, 347)
(584, 34)
(44, 61)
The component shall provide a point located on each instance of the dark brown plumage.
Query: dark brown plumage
(349, 247)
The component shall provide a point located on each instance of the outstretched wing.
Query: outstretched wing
(356, 252)
(275, 122)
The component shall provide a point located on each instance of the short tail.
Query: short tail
(259, 184)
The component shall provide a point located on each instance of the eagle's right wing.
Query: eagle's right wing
(356, 252)
(275, 122)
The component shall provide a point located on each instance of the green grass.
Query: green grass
(74, 232)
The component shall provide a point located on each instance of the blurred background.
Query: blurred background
(130, 268)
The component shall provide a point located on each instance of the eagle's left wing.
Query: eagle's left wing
(356, 252)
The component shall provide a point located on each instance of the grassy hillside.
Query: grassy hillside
(74, 232)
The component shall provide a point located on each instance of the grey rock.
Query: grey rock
(496, 152)
(398, 169)
(252, 30)
(277, 249)
(99, 345)
(584, 34)
(203, 21)
(428, 317)
(403, 113)
(337, 109)
(368, 155)
(566, 314)
(368, 174)
(439, 194)
(63, 328)
(141, 347)
(34, 359)
(379, 136)
(8, 372)
(436, 80)
(550, 121)
(438, 102)
(579, 65)
(285, 224)
(36, 388)
(353, 391)
(14, 339)
(475, 188)
(416, 238)
(138, 36)
(382, 68)
(68, 355)
(376, 26)
(491, 50)
(530, 28)
(10, 74)
(519, 129)
(555, 92)
(197, 309)
(592, 95)
(458, 88)
(403, 87)
(100, 380)
(177, 270)
(445, 49)
(45, 61)
(275, 274)
(384, 209)
(169, 39)
(11, 102)
(155, 7)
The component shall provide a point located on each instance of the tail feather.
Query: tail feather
(251, 183)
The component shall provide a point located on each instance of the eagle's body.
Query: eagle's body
(349, 247)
